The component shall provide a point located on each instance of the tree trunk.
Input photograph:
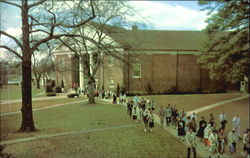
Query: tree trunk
(38, 81)
(91, 96)
(27, 115)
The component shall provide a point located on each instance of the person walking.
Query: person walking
(161, 115)
(211, 120)
(151, 120)
(129, 107)
(202, 126)
(181, 128)
(134, 113)
(145, 120)
(236, 124)
(139, 114)
(135, 99)
(207, 132)
(222, 141)
(168, 114)
(213, 139)
(193, 124)
(191, 143)
(246, 143)
(232, 140)
(223, 120)
(124, 98)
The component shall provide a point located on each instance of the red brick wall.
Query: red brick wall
(114, 70)
(188, 72)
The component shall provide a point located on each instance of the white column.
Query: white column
(91, 62)
(81, 78)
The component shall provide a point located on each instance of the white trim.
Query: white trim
(136, 76)
(62, 53)
(134, 71)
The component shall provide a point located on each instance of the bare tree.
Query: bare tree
(51, 19)
(92, 41)
(42, 67)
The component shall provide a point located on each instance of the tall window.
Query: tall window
(137, 70)
(111, 60)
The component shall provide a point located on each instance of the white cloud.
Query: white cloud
(16, 32)
(165, 16)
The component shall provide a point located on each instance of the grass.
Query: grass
(190, 102)
(13, 107)
(14, 92)
(117, 143)
(124, 142)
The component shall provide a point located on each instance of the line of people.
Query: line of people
(141, 110)
(215, 139)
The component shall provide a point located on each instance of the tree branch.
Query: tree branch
(12, 37)
(36, 3)
(52, 36)
(10, 3)
(11, 50)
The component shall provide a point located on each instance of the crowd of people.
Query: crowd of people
(214, 137)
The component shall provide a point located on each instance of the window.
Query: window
(111, 60)
(137, 70)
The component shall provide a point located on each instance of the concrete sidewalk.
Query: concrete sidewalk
(43, 108)
(60, 96)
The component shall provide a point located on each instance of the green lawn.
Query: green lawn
(124, 142)
(14, 92)
(190, 102)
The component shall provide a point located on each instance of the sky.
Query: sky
(157, 15)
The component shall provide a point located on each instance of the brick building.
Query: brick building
(162, 60)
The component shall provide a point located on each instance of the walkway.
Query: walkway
(21, 140)
(43, 108)
(33, 99)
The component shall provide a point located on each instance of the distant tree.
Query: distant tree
(226, 52)
(62, 84)
(42, 67)
(118, 89)
(3, 73)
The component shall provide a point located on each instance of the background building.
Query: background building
(157, 61)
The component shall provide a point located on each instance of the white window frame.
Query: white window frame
(136, 76)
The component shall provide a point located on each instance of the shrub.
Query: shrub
(72, 95)
(199, 90)
(221, 90)
(50, 94)
(58, 89)
(49, 89)
(173, 90)
(53, 83)
(149, 89)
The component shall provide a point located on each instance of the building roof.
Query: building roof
(155, 39)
